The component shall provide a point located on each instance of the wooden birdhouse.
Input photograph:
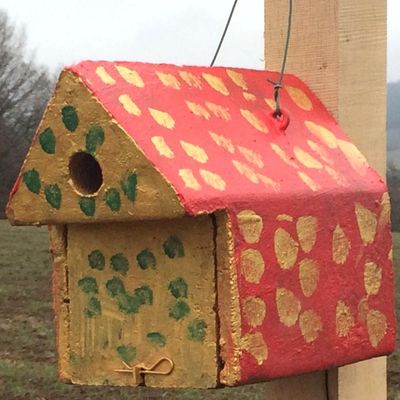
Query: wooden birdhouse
(199, 241)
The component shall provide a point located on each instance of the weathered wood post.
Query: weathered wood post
(339, 49)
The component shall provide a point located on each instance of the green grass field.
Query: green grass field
(27, 354)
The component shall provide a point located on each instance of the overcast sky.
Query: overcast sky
(173, 31)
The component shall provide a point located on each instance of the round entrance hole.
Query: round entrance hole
(85, 173)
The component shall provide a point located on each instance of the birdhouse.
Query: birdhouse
(197, 239)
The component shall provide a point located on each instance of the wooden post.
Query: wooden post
(338, 47)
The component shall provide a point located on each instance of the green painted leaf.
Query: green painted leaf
(113, 199)
(87, 205)
(53, 195)
(88, 285)
(173, 247)
(94, 139)
(70, 118)
(179, 310)
(47, 141)
(127, 352)
(146, 259)
(157, 338)
(96, 260)
(120, 263)
(129, 304)
(197, 330)
(178, 288)
(94, 307)
(145, 294)
(115, 287)
(32, 180)
(128, 186)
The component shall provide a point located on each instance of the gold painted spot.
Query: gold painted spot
(130, 76)
(268, 182)
(357, 161)
(249, 96)
(306, 159)
(390, 254)
(323, 134)
(237, 78)
(363, 309)
(299, 98)
(129, 106)
(191, 79)
(254, 311)
(219, 111)
(254, 344)
(162, 118)
(252, 265)
(283, 156)
(344, 319)
(307, 232)
(367, 222)
(213, 180)
(245, 170)
(168, 80)
(162, 147)
(216, 83)
(250, 225)
(377, 326)
(198, 109)
(196, 152)
(323, 154)
(104, 76)
(336, 176)
(270, 103)
(284, 217)
(222, 141)
(310, 325)
(253, 120)
(384, 214)
(189, 179)
(308, 181)
(286, 248)
(340, 246)
(288, 306)
(372, 278)
(308, 276)
(251, 156)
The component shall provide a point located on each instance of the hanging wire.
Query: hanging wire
(278, 84)
(224, 33)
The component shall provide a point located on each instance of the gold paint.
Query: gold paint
(222, 141)
(372, 278)
(216, 83)
(189, 179)
(130, 76)
(213, 180)
(254, 344)
(284, 217)
(384, 214)
(252, 265)
(162, 147)
(245, 170)
(357, 161)
(323, 154)
(367, 222)
(307, 232)
(191, 79)
(270, 103)
(299, 98)
(306, 159)
(363, 309)
(308, 276)
(251, 156)
(237, 78)
(340, 246)
(336, 176)
(168, 80)
(286, 248)
(196, 152)
(162, 118)
(308, 181)
(288, 306)
(253, 120)
(310, 325)
(129, 106)
(104, 76)
(219, 111)
(250, 225)
(282, 154)
(249, 96)
(377, 326)
(254, 311)
(344, 319)
(390, 255)
(268, 182)
(322, 133)
(198, 109)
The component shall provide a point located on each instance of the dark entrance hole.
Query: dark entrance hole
(85, 173)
